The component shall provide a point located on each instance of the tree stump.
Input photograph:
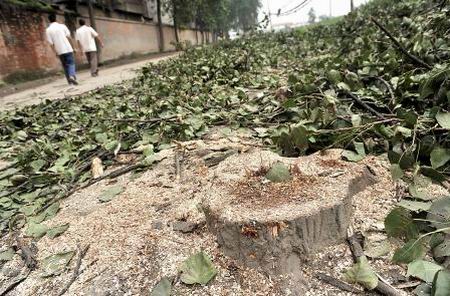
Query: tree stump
(275, 226)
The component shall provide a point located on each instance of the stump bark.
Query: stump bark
(261, 230)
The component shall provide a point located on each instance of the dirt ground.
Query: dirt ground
(133, 244)
(59, 89)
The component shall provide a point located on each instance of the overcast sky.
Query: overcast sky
(321, 7)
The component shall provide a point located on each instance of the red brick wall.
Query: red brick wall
(22, 43)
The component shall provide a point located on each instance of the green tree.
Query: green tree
(312, 16)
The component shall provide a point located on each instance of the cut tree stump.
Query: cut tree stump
(275, 226)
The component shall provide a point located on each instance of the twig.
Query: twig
(76, 271)
(177, 165)
(389, 88)
(14, 284)
(400, 47)
(337, 283)
(151, 120)
(383, 287)
(365, 126)
(363, 104)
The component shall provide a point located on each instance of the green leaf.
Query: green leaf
(299, 136)
(57, 230)
(356, 120)
(439, 156)
(351, 156)
(396, 172)
(423, 290)
(433, 174)
(110, 193)
(163, 288)
(420, 192)
(37, 165)
(101, 138)
(51, 211)
(441, 284)
(377, 249)
(443, 118)
(22, 135)
(36, 230)
(399, 223)
(362, 273)
(198, 269)
(415, 206)
(439, 213)
(7, 254)
(411, 251)
(360, 149)
(279, 172)
(423, 270)
(56, 264)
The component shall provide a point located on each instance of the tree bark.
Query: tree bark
(91, 15)
(175, 23)
(352, 5)
(160, 26)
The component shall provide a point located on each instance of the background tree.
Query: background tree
(312, 16)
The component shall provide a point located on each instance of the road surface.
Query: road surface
(59, 88)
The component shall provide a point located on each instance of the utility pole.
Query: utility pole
(352, 6)
(160, 27)
(331, 9)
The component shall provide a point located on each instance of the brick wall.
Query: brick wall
(23, 46)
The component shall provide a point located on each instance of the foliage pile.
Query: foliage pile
(344, 85)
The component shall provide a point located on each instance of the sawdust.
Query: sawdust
(133, 245)
(255, 191)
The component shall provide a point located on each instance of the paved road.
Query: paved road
(59, 88)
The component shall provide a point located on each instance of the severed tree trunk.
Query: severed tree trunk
(160, 26)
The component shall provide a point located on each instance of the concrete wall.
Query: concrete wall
(23, 46)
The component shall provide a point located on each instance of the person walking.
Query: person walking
(86, 37)
(58, 35)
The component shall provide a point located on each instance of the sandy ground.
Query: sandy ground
(133, 244)
(59, 88)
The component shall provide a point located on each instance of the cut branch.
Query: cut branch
(400, 47)
(364, 105)
(337, 283)
(76, 271)
(358, 252)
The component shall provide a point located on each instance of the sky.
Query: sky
(321, 7)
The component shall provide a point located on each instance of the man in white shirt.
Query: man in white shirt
(58, 35)
(86, 37)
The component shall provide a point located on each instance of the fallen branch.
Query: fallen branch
(337, 283)
(383, 287)
(76, 271)
(400, 47)
(363, 104)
